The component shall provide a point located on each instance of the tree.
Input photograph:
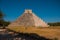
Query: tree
(1, 15)
(3, 23)
(1, 18)
(54, 24)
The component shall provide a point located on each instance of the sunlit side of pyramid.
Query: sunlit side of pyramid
(28, 18)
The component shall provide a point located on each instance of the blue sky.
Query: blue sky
(48, 10)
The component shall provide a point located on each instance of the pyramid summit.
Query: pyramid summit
(28, 18)
(28, 11)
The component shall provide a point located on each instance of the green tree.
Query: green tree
(1, 15)
(54, 24)
(1, 18)
(3, 23)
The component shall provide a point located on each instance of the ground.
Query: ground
(49, 32)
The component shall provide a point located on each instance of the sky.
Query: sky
(47, 10)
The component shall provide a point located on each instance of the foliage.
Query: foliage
(54, 24)
(3, 23)
(1, 15)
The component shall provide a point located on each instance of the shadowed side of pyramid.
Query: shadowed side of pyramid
(28, 18)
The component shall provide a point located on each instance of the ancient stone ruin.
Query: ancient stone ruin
(28, 18)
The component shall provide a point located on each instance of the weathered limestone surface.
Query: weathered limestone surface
(28, 18)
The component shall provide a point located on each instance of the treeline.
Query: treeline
(54, 24)
(4, 23)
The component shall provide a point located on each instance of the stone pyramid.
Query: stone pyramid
(28, 18)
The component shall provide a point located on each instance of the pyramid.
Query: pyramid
(28, 18)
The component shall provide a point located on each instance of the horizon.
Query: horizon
(47, 10)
